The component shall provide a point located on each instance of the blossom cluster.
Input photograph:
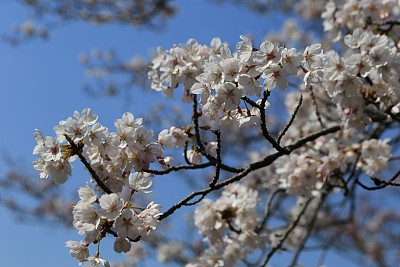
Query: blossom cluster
(226, 81)
(362, 83)
(115, 161)
(229, 225)
(365, 14)
(364, 78)
(366, 73)
(345, 98)
(223, 78)
(306, 171)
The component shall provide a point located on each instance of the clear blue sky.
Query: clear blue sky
(41, 83)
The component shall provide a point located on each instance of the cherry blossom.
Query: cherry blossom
(78, 250)
(341, 106)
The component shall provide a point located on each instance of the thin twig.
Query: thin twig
(185, 150)
(378, 181)
(196, 201)
(291, 120)
(353, 168)
(267, 210)
(287, 233)
(199, 142)
(315, 105)
(391, 24)
(310, 227)
(218, 165)
(178, 168)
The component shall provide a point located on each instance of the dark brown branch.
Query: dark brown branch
(315, 105)
(78, 151)
(195, 117)
(312, 137)
(196, 201)
(381, 183)
(263, 125)
(287, 233)
(251, 102)
(113, 233)
(185, 154)
(291, 120)
(136, 13)
(267, 210)
(353, 169)
(178, 168)
(378, 181)
(310, 227)
(201, 148)
(203, 193)
(389, 23)
(219, 162)
(268, 160)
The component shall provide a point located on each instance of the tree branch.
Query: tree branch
(268, 160)
(291, 120)
(201, 148)
(78, 151)
(287, 233)
(264, 126)
(218, 165)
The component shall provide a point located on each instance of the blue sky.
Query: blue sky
(41, 83)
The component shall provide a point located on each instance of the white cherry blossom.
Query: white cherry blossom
(127, 224)
(111, 206)
(140, 181)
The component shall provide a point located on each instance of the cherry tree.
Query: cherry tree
(299, 182)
